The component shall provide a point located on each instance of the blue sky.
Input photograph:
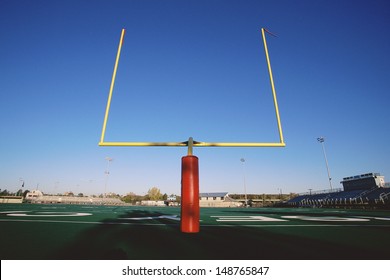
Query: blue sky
(192, 69)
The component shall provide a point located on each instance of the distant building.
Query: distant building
(34, 195)
(218, 196)
(172, 197)
(11, 199)
(37, 196)
(153, 203)
(363, 182)
(217, 199)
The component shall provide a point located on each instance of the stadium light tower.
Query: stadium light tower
(322, 140)
(18, 191)
(243, 170)
(107, 173)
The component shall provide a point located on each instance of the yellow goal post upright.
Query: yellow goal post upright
(193, 142)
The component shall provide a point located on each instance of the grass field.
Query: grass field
(38, 231)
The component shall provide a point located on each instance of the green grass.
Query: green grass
(154, 233)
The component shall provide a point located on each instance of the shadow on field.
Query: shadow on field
(161, 239)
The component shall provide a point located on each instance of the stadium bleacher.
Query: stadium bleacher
(361, 190)
(374, 197)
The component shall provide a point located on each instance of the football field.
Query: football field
(56, 231)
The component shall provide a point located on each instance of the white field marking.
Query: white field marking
(246, 219)
(374, 218)
(326, 219)
(292, 225)
(383, 219)
(216, 225)
(49, 214)
(9, 212)
(79, 222)
(50, 221)
(169, 217)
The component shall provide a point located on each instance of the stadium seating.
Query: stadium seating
(369, 197)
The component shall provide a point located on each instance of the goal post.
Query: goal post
(196, 143)
(190, 212)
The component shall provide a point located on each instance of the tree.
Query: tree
(165, 196)
(131, 198)
(154, 194)
(4, 192)
(25, 193)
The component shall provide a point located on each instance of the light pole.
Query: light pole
(107, 173)
(280, 194)
(21, 180)
(55, 187)
(243, 171)
(322, 140)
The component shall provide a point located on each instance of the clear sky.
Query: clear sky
(192, 69)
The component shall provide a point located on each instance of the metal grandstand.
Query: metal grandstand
(361, 190)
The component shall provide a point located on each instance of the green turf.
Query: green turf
(38, 232)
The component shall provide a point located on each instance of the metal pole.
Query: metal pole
(243, 171)
(107, 173)
(272, 85)
(185, 143)
(190, 146)
(112, 85)
(322, 140)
